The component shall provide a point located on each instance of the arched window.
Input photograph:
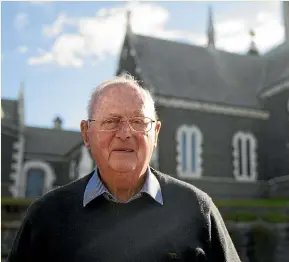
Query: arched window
(37, 176)
(189, 152)
(244, 157)
(35, 183)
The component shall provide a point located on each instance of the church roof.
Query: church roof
(50, 141)
(199, 73)
(57, 142)
(277, 65)
(10, 117)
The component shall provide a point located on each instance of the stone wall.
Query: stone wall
(279, 187)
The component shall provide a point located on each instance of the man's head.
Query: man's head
(122, 129)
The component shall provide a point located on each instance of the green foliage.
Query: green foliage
(250, 217)
(15, 201)
(254, 203)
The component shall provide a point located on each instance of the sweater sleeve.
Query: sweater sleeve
(27, 243)
(222, 248)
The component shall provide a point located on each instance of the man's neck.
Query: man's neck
(123, 191)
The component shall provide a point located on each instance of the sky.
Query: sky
(61, 51)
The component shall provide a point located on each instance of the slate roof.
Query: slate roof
(199, 73)
(10, 111)
(50, 141)
(277, 66)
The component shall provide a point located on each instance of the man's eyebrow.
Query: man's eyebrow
(114, 115)
(136, 112)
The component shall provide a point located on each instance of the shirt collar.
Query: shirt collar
(96, 188)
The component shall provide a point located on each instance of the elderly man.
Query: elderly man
(124, 210)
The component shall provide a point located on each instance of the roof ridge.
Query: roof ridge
(52, 129)
(9, 99)
(195, 46)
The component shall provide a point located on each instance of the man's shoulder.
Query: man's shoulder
(168, 180)
(178, 187)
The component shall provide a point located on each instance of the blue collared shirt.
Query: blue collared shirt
(96, 188)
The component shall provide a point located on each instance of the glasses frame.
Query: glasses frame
(125, 120)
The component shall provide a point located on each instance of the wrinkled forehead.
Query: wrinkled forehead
(122, 99)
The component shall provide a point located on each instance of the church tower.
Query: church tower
(253, 48)
(211, 30)
(286, 20)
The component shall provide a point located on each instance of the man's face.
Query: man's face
(123, 150)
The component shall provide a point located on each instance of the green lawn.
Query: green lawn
(253, 203)
(238, 216)
(15, 201)
(219, 203)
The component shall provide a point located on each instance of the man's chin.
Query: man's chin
(122, 168)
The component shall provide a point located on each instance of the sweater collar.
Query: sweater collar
(96, 188)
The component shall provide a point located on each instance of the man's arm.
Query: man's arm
(222, 248)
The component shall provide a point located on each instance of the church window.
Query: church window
(189, 152)
(35, 183)
(244, 156)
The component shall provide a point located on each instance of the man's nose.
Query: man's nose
(124, 130)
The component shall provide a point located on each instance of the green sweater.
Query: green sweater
(187, 227)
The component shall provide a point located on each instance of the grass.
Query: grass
(219, 203)
(250, 217)
(16, 201)
(253, 203)
(237, 216)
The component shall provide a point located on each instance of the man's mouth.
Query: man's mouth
(123, 150)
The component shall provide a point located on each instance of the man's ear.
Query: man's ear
(84, 128)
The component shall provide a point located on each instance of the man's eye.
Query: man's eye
(137, 121)
(112, 120)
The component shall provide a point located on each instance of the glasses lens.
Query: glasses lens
(110, 124)
(140, 124)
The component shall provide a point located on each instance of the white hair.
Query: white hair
(125, 80)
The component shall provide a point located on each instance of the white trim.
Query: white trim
(72, 169)
(229, 180)
(189, 131)
(279, 179)
(276, 89)
(49, 176)
(21, 108)
(2, 113)
(16, 167)
(245, 176)
(85, 162)
(211, 108)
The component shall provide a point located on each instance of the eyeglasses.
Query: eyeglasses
(137, 124)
